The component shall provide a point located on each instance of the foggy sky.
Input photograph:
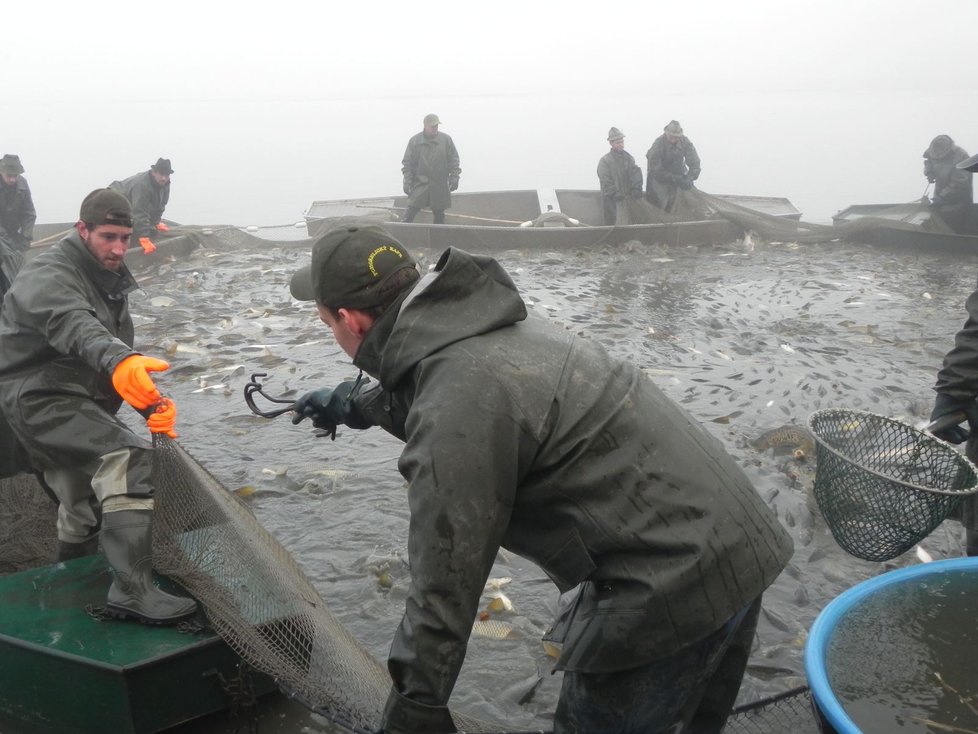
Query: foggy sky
(264, 107)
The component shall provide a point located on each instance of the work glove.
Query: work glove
(407, 188)
(147, 244)
(163, 419)
(945, 406)
(131, 380)
(404, 716)
(329, 408)
(162, 227)
(452, 184)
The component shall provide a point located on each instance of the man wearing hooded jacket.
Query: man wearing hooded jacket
(431, 171)
(66, 365)
(953, 194)
(519, 434)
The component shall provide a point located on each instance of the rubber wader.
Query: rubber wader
(127, 541)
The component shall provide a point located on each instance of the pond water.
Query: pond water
(747, 338)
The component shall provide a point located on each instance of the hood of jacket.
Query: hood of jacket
(465, 295)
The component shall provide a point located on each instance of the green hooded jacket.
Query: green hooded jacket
(148, 200)
(431, 171)
(519, 434)
(64, 327)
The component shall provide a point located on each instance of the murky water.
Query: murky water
(904, 658)
(746, 341)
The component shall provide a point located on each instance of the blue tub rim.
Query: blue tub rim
(821, 632)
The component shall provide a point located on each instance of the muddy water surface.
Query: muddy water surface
(747, 341)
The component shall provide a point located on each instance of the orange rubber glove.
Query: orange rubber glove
(147, 244)
(162, 227)
(164, 420)
(132, 381)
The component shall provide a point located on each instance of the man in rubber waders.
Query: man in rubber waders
(148, 193)
(66, 365)
(519, 434)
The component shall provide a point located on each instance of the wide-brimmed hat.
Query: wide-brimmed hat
(162, 166)
(351, 268)
(10, 164)
(615, 134)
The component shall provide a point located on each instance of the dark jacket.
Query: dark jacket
(64, 327)
(519, 434)
(619, 175)
(669, 164)
(148, 201)
(431, 170)
(17, 214)
(958, 378)
(953, 194)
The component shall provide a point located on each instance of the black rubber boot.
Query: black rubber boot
(70, 551)
(127, 541)
(971, 542)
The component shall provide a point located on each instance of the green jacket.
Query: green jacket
(619, 176)
(669, 164)
(148, 202)
(17, 214)
(64, 327)
(519, 434)
(431, 170)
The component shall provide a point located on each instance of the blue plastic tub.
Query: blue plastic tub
(816, 649)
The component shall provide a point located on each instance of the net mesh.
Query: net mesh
(882, 485)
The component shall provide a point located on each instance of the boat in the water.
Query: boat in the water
(906, 226)
(535, 219)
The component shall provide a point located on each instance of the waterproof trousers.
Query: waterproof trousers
(691, 692)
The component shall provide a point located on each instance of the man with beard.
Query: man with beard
(431, 171)
(148, 193)
(673, 165)
(519, 434)
(66, 365)
(619, 176)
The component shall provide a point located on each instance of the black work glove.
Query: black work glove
(452, 184)
(404, 716)
(946, 405)
(330, 408)
(407, 188)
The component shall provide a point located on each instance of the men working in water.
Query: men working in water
(66, 366)
(431, 171)
(17, 217)
(519, 434)
(618, 175)
(148, 192)
(953, 195)
(673, 164)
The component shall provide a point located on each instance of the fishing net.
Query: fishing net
(883, 485)
(258, 599)
(790, 711)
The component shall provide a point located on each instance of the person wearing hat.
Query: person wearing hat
(148, 192)
(519, 434)
(673, 165)
(619, 176)
(431, 171)
(67, 364)
(17, 213)
(953, 194)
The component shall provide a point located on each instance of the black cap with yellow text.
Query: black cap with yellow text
(351, 268)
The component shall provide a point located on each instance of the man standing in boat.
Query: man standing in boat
(953, 193)
(673, 165)
(148, 193)
(66, 366)
(619, 176)
(17, 217)
(519, 434)
(431, 171)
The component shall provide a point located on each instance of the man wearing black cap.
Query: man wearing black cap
(673, 164)
(148, 192)
(431, 171)
(66, 365)
(618, 175)
(519, 434)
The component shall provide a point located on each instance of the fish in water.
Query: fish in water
(789, 436)
(495, 630)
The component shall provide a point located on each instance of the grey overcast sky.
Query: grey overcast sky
(306, 100)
